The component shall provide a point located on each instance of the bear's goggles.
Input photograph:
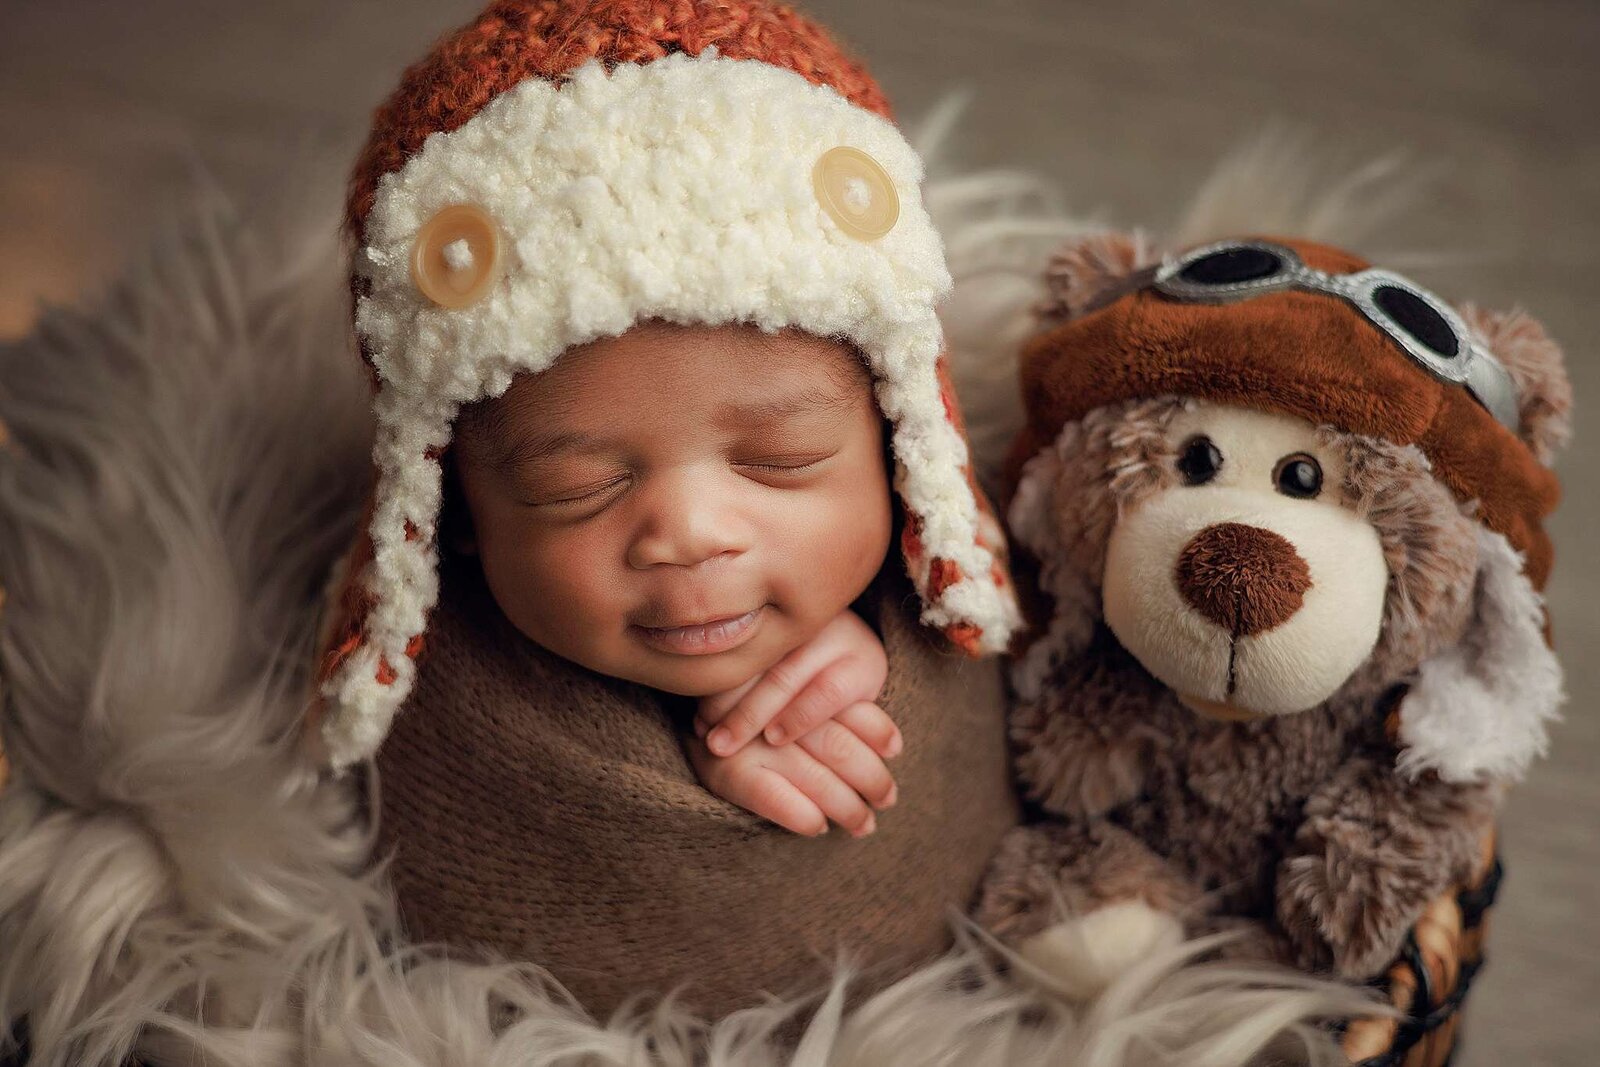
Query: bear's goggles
(1424, 326)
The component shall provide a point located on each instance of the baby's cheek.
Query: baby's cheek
(560, 592)
(829, 551)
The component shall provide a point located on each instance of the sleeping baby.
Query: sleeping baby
(694, 509)
(647, 296)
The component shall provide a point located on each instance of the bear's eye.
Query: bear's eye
(1299, 476)
(1199, 461)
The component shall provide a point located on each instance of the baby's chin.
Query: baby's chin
(700, 676)
(638, 658)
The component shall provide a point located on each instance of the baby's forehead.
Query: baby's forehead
(699, 360)
(728, 373)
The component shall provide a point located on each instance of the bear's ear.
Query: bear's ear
(1481, 708)
(1537, 366)
(1086, 271)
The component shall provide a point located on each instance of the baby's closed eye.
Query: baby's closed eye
(785, 464)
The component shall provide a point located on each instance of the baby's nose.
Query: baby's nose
(687, 532)
(686, 549)
(1245, 579)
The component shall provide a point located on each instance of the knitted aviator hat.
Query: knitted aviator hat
(559, 170)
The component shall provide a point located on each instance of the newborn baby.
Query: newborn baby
(648, 298)
(695, 508)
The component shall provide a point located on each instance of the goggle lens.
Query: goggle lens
(1413, 315)
(1232, 266)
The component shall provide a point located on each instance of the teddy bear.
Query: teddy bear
(1283, 513)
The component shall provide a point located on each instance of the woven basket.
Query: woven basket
(1430, 981)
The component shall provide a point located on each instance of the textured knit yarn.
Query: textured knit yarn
(548, 813)
(517, 39)
(634, 160)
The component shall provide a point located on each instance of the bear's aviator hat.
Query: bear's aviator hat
(1277, 338)
(560, 170)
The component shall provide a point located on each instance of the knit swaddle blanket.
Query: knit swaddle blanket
(546, 812)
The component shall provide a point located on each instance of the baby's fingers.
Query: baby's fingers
(770, 795)
(827, 789)
(835, 687)
(873, 725)
(838, 748)
(713, 709)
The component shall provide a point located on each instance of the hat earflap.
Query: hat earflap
(1481, 708)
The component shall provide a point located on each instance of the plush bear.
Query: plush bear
(1285, 512)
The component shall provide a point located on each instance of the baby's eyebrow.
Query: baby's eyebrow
(519, 448)
(776, 408)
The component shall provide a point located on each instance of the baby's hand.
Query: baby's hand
(835, 676)
(820, 697)
(829, 774)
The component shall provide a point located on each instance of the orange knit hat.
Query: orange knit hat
(559, 170)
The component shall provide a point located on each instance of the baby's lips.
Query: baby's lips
(701, 639)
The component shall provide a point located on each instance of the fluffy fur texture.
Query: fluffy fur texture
(1018, 258)
(1299, 654)
(1213, 820)
(1334, 826)
(683, 190)
(1089, 952)
(1457, 720)
(1301, 354)
(176, 881)
(1416, 504)
(1288, 181)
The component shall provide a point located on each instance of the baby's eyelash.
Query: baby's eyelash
(580, 498)
(790, 467)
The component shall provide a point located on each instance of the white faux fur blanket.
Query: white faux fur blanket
(178, 886)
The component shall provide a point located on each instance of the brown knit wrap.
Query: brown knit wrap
(549, 814)
(1302, 354)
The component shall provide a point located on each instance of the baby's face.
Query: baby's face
(679, 506)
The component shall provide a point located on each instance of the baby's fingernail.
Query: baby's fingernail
(720, 741)
(866, 828)
(892, 749)
(776, 736)
(890, 797)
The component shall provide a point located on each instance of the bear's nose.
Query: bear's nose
(1243, 578)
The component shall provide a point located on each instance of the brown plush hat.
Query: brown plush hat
(1304, 351)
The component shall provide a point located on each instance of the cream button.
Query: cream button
(856, 192)
(456, 257)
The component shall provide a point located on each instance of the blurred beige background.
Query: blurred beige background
(106, 107)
